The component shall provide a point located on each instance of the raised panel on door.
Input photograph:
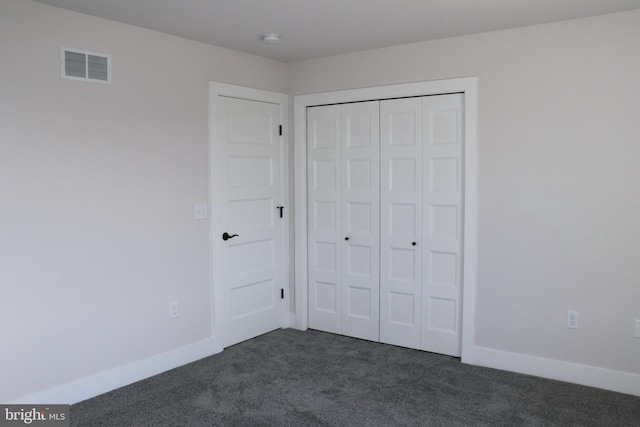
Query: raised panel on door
(251, 169)
(324, 210)
(360, 219)
(401, 242)
(443, 219)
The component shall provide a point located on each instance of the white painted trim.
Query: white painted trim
(292, 321)
(622, 382)
(103, 382)
(467, 85)
(222, 89)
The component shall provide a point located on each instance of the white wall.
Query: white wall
(559, 143)
(97, 187)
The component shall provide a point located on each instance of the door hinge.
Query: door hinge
(280, 130)
(281, 293)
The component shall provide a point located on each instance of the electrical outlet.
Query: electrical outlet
(200, 211)
(637, 331)
(173, 310)
(572, 319)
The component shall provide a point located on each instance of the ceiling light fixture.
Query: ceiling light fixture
(270, 38)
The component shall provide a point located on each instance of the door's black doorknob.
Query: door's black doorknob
(226, 236)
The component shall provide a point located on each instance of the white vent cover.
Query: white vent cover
(78, 64)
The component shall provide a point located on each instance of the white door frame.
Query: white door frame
(282, 100)
(466, 85)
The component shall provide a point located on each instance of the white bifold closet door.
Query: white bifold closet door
(421, 223)
(387, 176)
(401, 222)
(343, 207)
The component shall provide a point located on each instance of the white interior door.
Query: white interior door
(401, 222)
(443, 213)
(247, 186)
(343, 221)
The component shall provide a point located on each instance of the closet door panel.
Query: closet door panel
(401, 221)
(443, 214)
(324, 209)
(360, 219)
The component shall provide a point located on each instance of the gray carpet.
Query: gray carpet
(293, 378)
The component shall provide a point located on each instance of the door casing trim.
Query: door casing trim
(466, 85)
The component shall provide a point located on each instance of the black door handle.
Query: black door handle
(226, 236)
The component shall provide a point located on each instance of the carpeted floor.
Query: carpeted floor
(293, 378)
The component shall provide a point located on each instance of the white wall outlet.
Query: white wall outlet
(572, 319)
(200, 211)
(173, 310)
(637, 332)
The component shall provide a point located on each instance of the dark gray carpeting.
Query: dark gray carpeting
(293, 378)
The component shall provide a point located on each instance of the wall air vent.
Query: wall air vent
(78, 64)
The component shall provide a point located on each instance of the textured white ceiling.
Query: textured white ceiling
(316, 28)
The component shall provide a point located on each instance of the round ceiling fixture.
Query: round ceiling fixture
(270, 38)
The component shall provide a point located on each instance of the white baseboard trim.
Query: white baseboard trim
(292, 321)
(607, 379)
(103, 382)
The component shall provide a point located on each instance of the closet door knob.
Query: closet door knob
(346, 238)
(413, 243)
